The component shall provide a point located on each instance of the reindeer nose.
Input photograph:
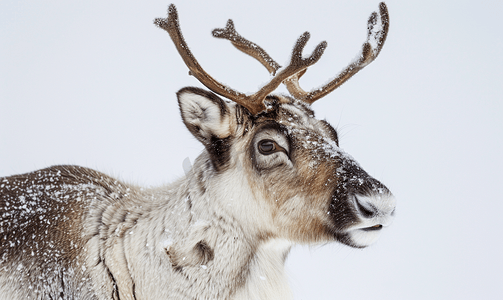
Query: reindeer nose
(375, 205)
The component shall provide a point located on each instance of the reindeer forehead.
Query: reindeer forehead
(297, 115)
(309, 133)
(298, 120)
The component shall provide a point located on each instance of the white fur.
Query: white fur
(202, 112)
(267, 278)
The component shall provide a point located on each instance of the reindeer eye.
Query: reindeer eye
(267, 147)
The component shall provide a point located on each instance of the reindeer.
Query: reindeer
(270, 176)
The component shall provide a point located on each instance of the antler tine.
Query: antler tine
(298, 64)
(368, 54)
(246, 46)
(382, 34)
(172, 26)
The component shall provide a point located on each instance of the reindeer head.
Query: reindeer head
(309, 190)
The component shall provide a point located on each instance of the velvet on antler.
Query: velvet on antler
(289, 75)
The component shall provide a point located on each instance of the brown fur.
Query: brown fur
(41, 222)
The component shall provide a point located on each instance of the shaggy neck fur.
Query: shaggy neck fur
(177, 243)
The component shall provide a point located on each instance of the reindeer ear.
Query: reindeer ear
(205, 114)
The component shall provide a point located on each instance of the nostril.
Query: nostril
(367, 213)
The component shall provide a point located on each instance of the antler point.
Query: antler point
(171, 8)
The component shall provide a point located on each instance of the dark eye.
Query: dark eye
(267, 147)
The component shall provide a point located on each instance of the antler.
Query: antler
(368, 54)
(246, 46)
(172, 26)
(254, 103)
(289, 75)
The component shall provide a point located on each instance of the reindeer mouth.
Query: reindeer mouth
(373, 228)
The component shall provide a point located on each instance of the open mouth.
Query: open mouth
(373, 228)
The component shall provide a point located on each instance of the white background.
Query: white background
(93, 83)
